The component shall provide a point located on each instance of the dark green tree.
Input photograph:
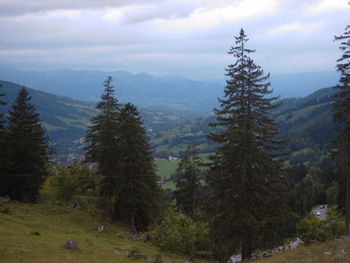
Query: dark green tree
(138, 193)
(27, 151)
(2, 146)
(342, 112)
(102, 146)
(2, 115)
(188, 181)
(247, 181)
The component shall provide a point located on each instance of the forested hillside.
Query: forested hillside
(66, 119)
(305, 125)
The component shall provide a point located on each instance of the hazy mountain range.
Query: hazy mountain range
(147, 91)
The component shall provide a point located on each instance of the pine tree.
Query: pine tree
(138, 192)
(2, 146)
(102, 145)
(188, 182)
(247, 182)
(27, 151)
(2, 115)
(342, 112)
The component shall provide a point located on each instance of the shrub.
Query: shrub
(65, 182)
(179, 233)
(312, 229)
(136, 254)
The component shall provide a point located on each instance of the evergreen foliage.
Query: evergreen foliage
(102, 146)
(27, 152)
(250, 208)
(138, 193)
(188, 181)
(1, 114)
(179, 233)
(342, 112)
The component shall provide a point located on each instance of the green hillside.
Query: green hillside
(66, 119)
(305, 122)
(34, 233)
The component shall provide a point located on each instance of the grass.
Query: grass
(36, 233)
(335, 251)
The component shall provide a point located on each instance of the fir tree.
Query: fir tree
(2, 147)
(342, 112)
(188, 181)
(102, 145)
(248, 185)
(27, 151)
(138, 193)
(2, 115)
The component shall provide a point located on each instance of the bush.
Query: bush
(179, 233)
(313, 229)
(136, 254)
(63, 183)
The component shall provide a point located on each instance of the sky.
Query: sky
(170, 37)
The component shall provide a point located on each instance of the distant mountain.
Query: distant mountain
(305, 124)
(66, 119)
(147, 91)
(144, 90)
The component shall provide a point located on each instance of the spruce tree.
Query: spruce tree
(2, 146)
(2, 103)
(187, 182)
(102, 146)
(247, 182)
(27, 151)
(138, 192)
(342, 112)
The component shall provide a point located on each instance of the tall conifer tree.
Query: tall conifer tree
(102, 145)
(1, 114)
(248, 185)
(2, 146)
(342, 112)
(27, 151)
(188, 181)
(138, 193)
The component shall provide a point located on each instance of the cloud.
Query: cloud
(295, 27)
(209, 16)
(326, 6)
(20, 7)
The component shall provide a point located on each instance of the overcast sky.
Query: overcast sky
(170, 37)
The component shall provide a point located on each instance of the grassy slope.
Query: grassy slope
(335, 251)
(18, 243)
(56, 224)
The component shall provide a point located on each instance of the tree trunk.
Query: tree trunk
(246, 250)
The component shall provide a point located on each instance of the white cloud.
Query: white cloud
(326, 6)
(295, 26)
(115, 14)
(209, 16)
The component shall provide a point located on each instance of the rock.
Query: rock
(235, 258)
(101, 228)
(294, 244)
(75, 204)
(267, 254)
(70, 244)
